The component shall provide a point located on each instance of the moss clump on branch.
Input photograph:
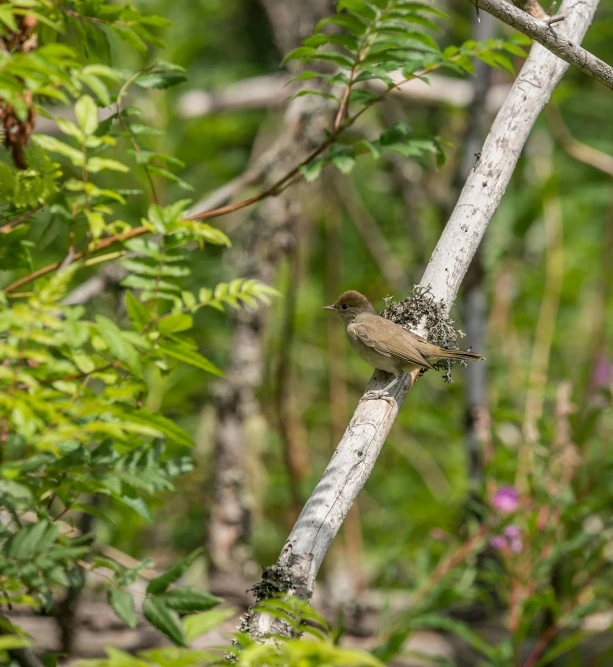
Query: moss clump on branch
(420, 309)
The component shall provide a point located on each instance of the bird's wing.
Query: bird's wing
(360, 331)
(391, 340)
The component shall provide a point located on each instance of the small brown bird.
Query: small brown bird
(385, 345)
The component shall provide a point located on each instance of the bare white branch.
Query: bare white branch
(258, 92)
(355, 456)
(559, 42)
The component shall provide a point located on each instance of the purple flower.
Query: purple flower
(499, 542)
(511, 531)
(514, 534)
(516, 545)
(511, 539)
(506, 499)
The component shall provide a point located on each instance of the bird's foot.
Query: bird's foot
(375, 394)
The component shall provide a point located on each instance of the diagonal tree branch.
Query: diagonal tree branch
(557, 41)
(355, 456)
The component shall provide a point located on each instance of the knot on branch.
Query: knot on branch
(421, 311)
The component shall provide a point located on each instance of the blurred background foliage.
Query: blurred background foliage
(421, 480)
(223, 42)
(399, 507)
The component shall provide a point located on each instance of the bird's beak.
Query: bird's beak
(329, 308)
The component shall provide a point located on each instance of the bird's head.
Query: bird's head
(351, 304)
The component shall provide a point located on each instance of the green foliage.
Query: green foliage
(80, 428)
(386, 42)
(309, 652)
(96, 415)
(26, 189)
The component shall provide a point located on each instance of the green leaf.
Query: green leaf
(117, 343)
(158, 422)
(331, 56)
(210, 234)
(68, 127)
(86, 112)
(422, 7)
(33, 539)
(188, 356)
(175, 323)
(363, 96)
(355, 25)
(6, 17)
(395, 134)
(488, 57)
(138, 505)
(13, 641)
(197, 625)
(312, 169)
(144, 130)
(348, 42)
(138, 314)
(363, 145)
(160, 584)
(160, 79)
(466, 64)
(307, 76)
(187, 599)
(96, 164)
(504, 62)
(514, 49)
(98, 87)
(344, 163)
(122, 603)
(159, 171)
(164, 619)
(94, 511)
(103, 70)
(140, 282)
(130, 37)
(298, 53)
(55, 146)
(317, 93)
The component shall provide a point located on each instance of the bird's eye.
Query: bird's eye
(344, 306)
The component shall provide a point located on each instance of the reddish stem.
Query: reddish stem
(541, 645)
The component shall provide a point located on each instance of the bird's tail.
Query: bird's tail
(460, 354)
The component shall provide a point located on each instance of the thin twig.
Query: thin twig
(101, 245)
(8, 227)
(126, 126)
(577, 149)
(554, 19)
